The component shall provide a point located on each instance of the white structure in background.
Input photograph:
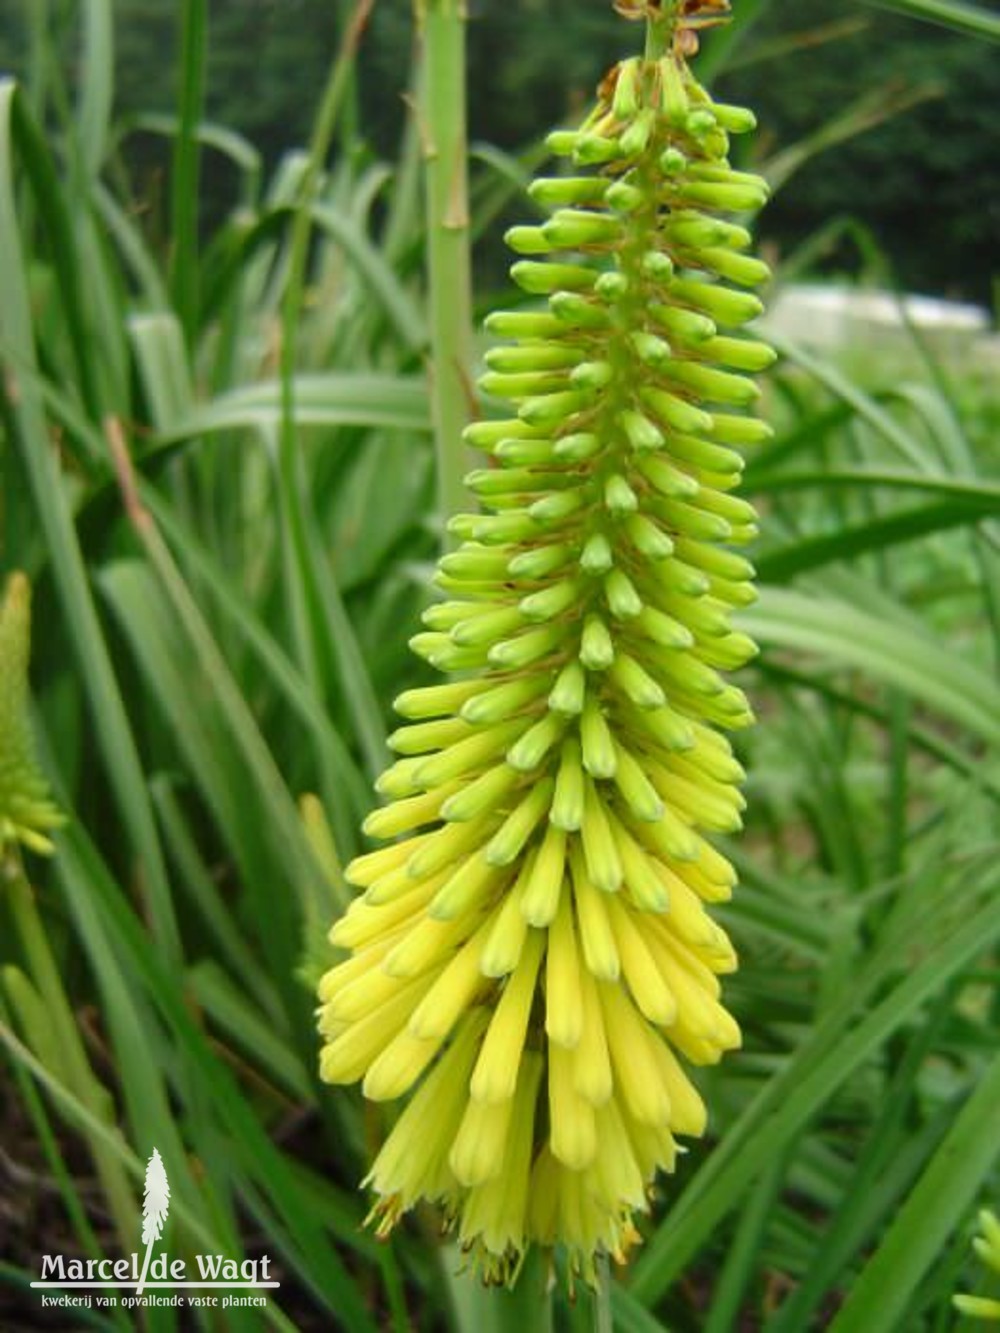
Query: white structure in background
(828, 318)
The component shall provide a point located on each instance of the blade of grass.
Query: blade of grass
(302, 572)
(111, 723)
(832, 1051)
(970, 19)
(93, 113)
(186, 165)
(347, 793)
(783, 563)
(848, 1229)
(252, 1161)
(942, 1198)
(893, 653)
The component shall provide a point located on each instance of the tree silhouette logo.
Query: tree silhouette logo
(155, 1206)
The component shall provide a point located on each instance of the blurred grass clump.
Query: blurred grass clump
(218, 473)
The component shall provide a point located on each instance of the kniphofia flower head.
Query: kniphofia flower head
(27, 812)
(531, 961)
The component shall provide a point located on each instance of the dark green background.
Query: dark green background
(925, 184)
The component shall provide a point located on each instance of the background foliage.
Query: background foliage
(923, 177)
(224, 500)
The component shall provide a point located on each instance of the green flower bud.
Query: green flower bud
(719, 386)
(597, 556)
(528, 240)
(27, 813)
(744, 269)
(567, 802)
(592, 150)
(624, 198)
(597, 649)
(543, 279)
(513, 360)
(619, 497)
(642, 435)
(563, 191)
(599, 757)
(577, 448)
(683, 327)
(570, 690)
(719, 303)
(571, 229)
(577, 311)
(521, 324)
(623, 600)
(734, 119)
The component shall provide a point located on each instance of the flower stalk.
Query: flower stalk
(443, 125)
(532, 959)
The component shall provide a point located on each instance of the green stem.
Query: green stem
(603, 1320)
(81, 1078)
(660, 30)
(524, 1308)
(449, 267)
(302, 581)
(187, 164)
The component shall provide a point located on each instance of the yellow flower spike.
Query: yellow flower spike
(359, 965)
(509, 840)
(443, 848)
(597, 940)
(630, 1042)
(564, 1016)
(617, 1177)
(495, 1075)
(27, 813)
(545, 910)
(467, 887)
(542, 892)
(651, 992)
(453, 991)
(543, 1205)
(413, 1162)
(592, 1076)
(572, 1127)
(406, 815)
(363, 923)
(495, 1215)
(509, 929)
(427, 944)
(478, 1151)
(399, 1066)
(654, 1146)
(347, 1057)
(688, 1113)
(600, 849)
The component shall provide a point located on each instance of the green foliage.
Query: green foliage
(923, 181)
(923, 96)
(215, 636)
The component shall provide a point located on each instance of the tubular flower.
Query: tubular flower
(531, 958)
(27, 814)
(987, 1246)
